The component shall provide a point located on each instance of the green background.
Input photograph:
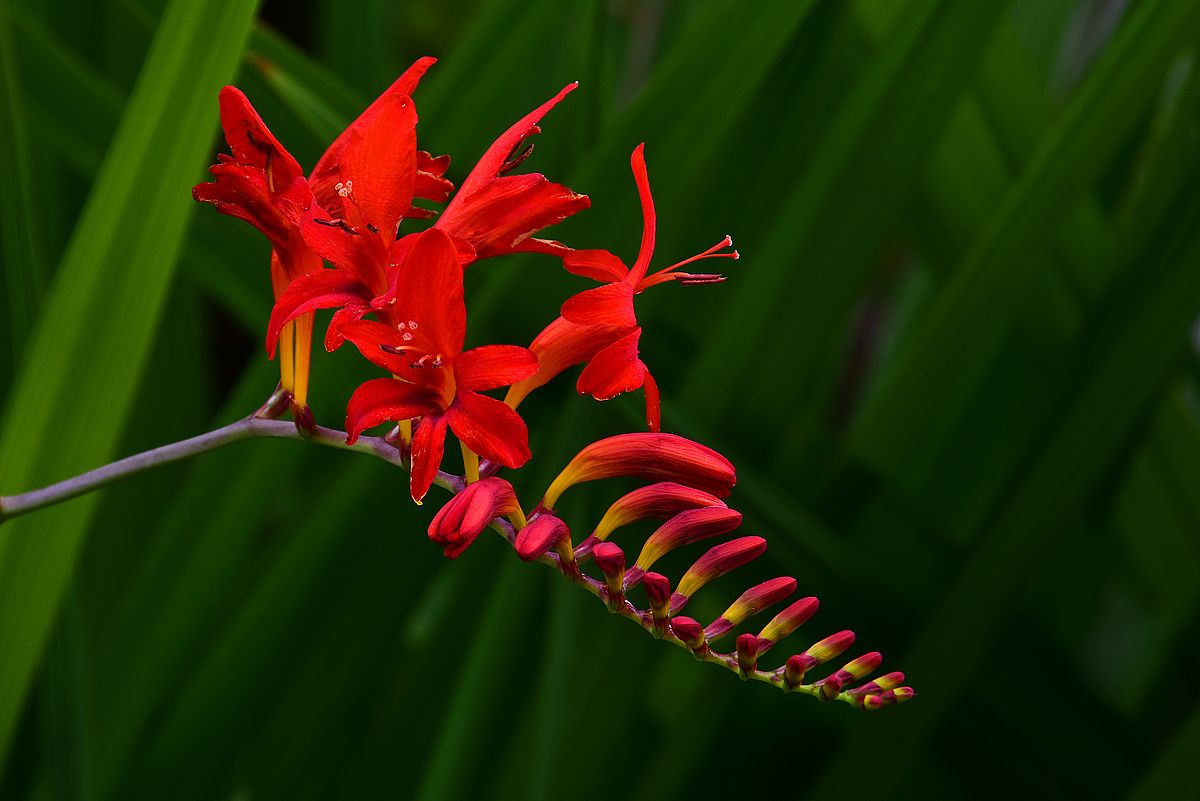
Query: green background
(956, 367)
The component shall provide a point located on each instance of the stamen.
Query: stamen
(395, 350)
(516, 156)
(345, 226)
(671, 274)
(344, 189)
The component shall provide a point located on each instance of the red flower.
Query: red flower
(263, 184)
(467, 514)
(497, 213)
(365, 185)
(599, 326)
(433, 378)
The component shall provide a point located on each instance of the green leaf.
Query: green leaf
(84, 360)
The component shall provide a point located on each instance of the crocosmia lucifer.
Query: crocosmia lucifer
(399, 299)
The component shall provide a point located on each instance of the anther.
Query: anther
(516, 156)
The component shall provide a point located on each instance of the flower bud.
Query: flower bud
(747, 653)
(750, 602)
(652, 456)
(661, 500)
(788, 621)
(543, 533)
(831, 685)
(685, 528)
(467, 514)
(611, 561)
(716, 562)
(689, 632)
(658, 594)
(888, 681)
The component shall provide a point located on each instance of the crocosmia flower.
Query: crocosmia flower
(599, 326)
(433, 378)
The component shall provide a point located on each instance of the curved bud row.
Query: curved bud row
(654, 501)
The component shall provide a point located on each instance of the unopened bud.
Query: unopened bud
(788, 621)
(611, 561)
(750, 602)
(467, 514)
(747, 653)
(543, 533)
(689, 632)
(716, 562)
(662, 500)
(653, 456)
(830, 686)
(685, 528)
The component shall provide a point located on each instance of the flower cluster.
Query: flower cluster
(398, 298)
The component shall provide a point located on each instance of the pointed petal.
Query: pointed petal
(646, 251)
(490, 164)
(323, 289)
(502, 214)
(489, 428)
(496, 212)
(378, 168)
(429, 442)
(561, 345)
(596, 264)
(347, 314)
(325, 174)
(252, 142)
(608, 304)
(493, 366)
(616, 368)
(429, 292)
(382, 399)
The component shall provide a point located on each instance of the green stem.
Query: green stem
(247, 428)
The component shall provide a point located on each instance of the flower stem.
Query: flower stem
(246, 428)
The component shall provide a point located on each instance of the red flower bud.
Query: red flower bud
(611, 561)
(467, 514)
(689, 632)
(661, 500)
(831, 646)
(652, 456)
(888, 681)
(658, 593)
(831, 685)
(716, 562)
(750, 602)
(747, 653)
(544, 532)
(788, 621)
(685, 528)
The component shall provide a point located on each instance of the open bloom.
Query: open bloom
(599, 326)
(365, 185)
(262, 183)
(433, 378)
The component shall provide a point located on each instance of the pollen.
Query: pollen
(407, 337)
(344, 189)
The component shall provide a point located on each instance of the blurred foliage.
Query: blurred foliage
(956, 368)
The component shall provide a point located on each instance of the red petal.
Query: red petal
(489, 428)
(610, 304)
(494, 366)
(429, 442)
(653, 400)
(380, 160)
(646, 251)
(323, 289)
(542, 534)
(500, 216)
(430, 185)
(364, 254)
(377, 342)
(347, 314)
(382, 399)
(325, 174)
(615, 369)
(252, 142)
(596, 264)
(492, 161)
(429, 292)
(560, 345)
(467, 514)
